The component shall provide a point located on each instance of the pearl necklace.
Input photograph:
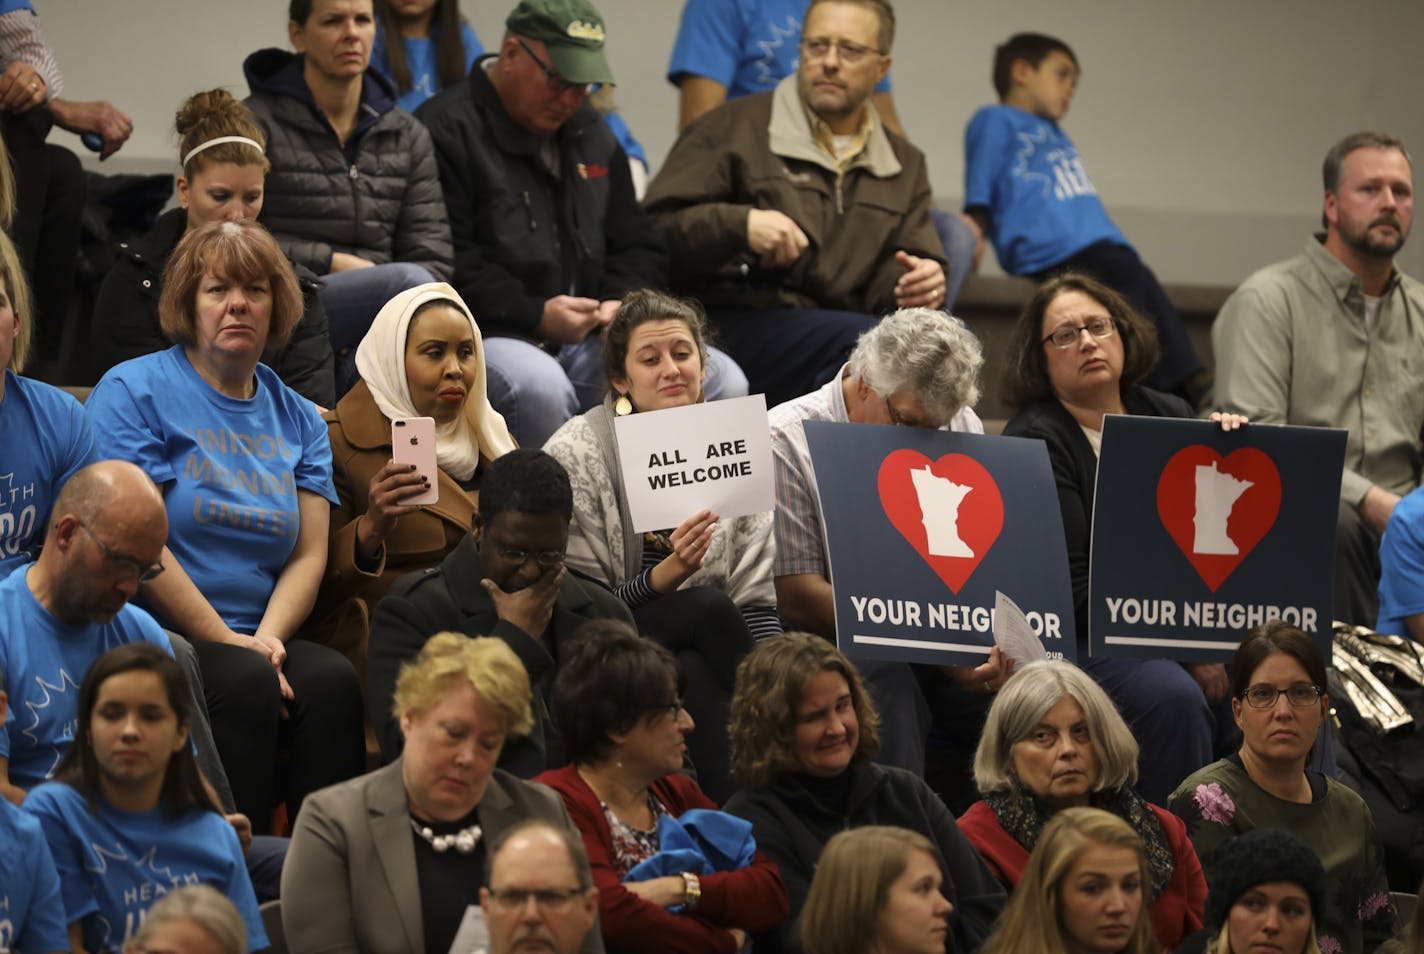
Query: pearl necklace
(463, 841)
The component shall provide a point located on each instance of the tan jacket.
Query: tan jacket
(350, 881)
(360, 446)
(758, 152)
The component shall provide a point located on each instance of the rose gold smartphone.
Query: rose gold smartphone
(413, 442)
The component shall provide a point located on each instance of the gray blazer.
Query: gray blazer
(350, 883)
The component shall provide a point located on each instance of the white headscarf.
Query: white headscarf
(380, 359)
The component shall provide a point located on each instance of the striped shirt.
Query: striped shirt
(800, 537)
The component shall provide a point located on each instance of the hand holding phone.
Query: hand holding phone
(413, 442)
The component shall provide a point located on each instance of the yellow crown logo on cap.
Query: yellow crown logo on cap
(586, 31)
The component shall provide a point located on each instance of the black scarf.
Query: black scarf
(1022, 815)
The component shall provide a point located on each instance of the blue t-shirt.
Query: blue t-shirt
(420, 59)
(1026, 172)
(230, 470)
(46, 438)
(746, 45)
(31, 909)
(43, 661)
(114, 866)
(1401, 587)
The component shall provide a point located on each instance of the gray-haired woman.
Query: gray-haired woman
(1054, 740)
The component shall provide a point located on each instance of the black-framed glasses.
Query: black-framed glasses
(144, 572)
(545, 558)
(548, 900)
(671, 708)
(1066, 336)
(1302, 695)
(819, 47)
(557, 84)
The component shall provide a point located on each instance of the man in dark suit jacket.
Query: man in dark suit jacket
(506, 579)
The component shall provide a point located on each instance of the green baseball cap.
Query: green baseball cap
(572, 33)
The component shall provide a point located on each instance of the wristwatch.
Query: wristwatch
(692, 890)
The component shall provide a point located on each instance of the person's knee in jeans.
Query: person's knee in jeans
(529, 388)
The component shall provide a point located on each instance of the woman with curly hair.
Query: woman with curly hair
(803, 733)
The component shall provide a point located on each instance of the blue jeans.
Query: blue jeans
(537, 391)
(1177, 729)
(788, 352)
(352, 299)
(958, 241)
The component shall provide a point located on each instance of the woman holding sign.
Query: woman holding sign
(422, 357)
(1078, 353)
(1053, 740)
(704, 588)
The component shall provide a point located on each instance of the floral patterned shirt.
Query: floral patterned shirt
(632, 846)
(1221, 801)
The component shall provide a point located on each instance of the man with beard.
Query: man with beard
(795, 216)
(1335, 338)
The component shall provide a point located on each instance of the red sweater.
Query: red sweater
(1175, 914)
(753, 898)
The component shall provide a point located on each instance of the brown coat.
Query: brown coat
(360, 446)
(758, 152)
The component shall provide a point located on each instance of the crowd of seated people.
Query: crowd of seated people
(252, 627)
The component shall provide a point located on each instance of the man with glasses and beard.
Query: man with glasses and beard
(1335, 338)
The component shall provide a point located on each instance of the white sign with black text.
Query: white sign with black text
(678, 461)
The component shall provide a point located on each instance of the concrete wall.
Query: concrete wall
(1203, 124)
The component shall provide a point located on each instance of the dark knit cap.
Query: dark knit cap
(1260, 857)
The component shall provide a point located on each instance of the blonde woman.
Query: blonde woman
(1265, 889)
(391, 861)
(1081, 892)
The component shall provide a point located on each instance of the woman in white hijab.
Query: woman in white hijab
(422, 357)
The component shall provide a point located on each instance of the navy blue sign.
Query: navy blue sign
(1199, 534)
(923, 527)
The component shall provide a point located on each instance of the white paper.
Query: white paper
(678, 461)
(473, 935)
(1013, 634)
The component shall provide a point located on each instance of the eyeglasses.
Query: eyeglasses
(671, 708)
(545, 558)
(819, 47)
(900, 420)
(144, 572)
(1066, 336)
(548, 900)
(1302, 695)
(557, 84)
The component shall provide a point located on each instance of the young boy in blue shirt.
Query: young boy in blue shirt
(1026, 189)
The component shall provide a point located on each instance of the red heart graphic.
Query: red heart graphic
(1213, 519)
(962, 536)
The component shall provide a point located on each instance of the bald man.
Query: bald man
(70, 606)
(539, 894)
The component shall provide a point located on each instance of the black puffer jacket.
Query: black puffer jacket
(378, 196)
(126, 315)
(523, 235)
